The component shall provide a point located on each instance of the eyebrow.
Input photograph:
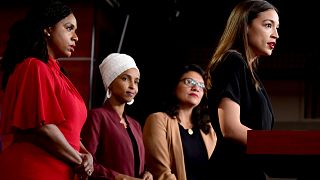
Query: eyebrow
(130, 76)
(193, 79)
(272, 21)
(69, 24)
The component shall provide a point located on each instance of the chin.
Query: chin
(267, 53)
(194, 103)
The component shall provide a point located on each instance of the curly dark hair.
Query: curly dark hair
(26, 36)
(171, 106)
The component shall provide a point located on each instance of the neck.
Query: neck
(184, 118)
(118, 107)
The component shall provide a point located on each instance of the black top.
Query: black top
(195, 154)
(135, 150)
(233, 79)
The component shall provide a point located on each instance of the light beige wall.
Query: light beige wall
(287, 98)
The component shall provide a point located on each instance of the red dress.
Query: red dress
(38, 93)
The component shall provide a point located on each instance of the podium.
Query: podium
(286, 153)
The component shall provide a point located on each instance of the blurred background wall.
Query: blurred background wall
(164, 34)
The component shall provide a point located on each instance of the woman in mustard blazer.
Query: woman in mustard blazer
(180, 140)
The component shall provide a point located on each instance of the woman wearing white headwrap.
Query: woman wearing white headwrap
(114, 138)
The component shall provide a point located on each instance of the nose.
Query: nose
(275, 34)
(195, 88)
(132, 85)
(75, 37)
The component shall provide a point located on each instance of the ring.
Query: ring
(89, 172)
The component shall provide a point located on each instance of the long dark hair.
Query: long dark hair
(26, 36)
(171, 105)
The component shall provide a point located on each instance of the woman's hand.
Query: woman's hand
(86, 168)
(87, 160)
(147, 176)
(125, 177)
(87, 163)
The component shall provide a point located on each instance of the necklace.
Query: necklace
(190, 131)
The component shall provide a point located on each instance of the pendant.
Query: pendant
(190, 131)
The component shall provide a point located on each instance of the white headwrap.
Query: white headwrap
(114, 65)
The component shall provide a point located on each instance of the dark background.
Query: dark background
(162, 35)
(161, 40)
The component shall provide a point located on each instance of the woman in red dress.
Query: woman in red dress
(42, 110)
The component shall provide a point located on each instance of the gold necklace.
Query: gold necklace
(190, 131)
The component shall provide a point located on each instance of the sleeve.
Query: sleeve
(90, 133)
(227, 78)
(157, 152)
(33, 100)
(91, 137)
